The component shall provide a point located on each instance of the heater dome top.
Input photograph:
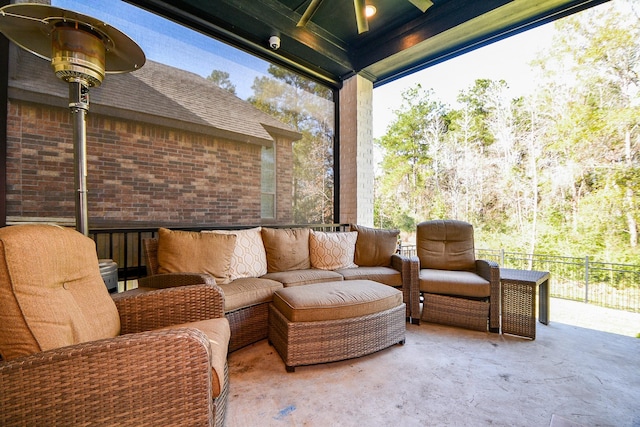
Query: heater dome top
(31, 25)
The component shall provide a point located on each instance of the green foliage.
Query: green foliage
(410, 148)
(555, 172)
(221, 79)
(396, 219)
(308, 108)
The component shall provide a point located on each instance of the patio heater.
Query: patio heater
(82, 50)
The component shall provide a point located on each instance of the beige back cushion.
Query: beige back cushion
(445, 245)
(249, 258)
(51, 291)
(287, 248)
(332, 251)
(374, 247)
(194, 252)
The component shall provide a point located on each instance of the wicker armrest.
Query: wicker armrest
(172, 280)
(151, 378)
(489, 270)
(144, 311)
(397, 262)
(409, 267)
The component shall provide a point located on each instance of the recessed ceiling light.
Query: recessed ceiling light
(369, 10)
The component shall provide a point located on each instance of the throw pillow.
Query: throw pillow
(287, 248)
(249, 258)
(193, 252)
(332, 251)
(374, 246)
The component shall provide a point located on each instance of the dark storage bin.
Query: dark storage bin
(109, 272)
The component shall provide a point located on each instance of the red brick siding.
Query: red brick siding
(137, 172)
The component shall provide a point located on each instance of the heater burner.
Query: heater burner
(77, 54)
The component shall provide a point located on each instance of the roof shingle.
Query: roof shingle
(155, 91)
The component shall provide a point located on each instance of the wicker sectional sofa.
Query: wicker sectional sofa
(251, 264)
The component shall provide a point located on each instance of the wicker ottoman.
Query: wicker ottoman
(325, 322)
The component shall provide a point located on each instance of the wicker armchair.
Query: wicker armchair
(456, 288)
(74, 355)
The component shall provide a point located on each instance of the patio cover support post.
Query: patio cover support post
(356, 151)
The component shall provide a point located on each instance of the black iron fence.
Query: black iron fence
(576, 278)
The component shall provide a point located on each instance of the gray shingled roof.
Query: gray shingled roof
(155, 93)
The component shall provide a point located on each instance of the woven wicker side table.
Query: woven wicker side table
(518, 300)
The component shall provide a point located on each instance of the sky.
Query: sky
(507, 59)
(165, 42)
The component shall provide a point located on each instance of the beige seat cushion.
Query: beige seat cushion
(303, 277)
(286, 248)
(374, 246)
(335, 300)
(51, 291)
(193, 252)
(247, 292)
(386, 275)
(445, 245)
(459, 283)
(218, 333)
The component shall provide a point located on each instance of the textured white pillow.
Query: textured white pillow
(332, 251)
(249, 258)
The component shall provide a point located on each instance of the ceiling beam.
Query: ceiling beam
(269, 17)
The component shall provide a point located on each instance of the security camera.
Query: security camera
(274, 42)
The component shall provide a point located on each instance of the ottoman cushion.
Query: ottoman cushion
(335, 300)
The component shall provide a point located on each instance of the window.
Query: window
(268, 183)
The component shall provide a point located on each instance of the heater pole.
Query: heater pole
(79, 105)
(81, 49)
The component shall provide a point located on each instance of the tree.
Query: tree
(482, 130)
(221, 79)
(412, 164)
(307, 107)
(598, 113)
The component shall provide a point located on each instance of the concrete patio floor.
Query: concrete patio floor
(446, 376)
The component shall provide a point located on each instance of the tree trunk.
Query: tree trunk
(631, 220)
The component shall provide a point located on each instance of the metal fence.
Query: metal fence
(582, 279)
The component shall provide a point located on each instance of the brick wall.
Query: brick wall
(137, 172)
